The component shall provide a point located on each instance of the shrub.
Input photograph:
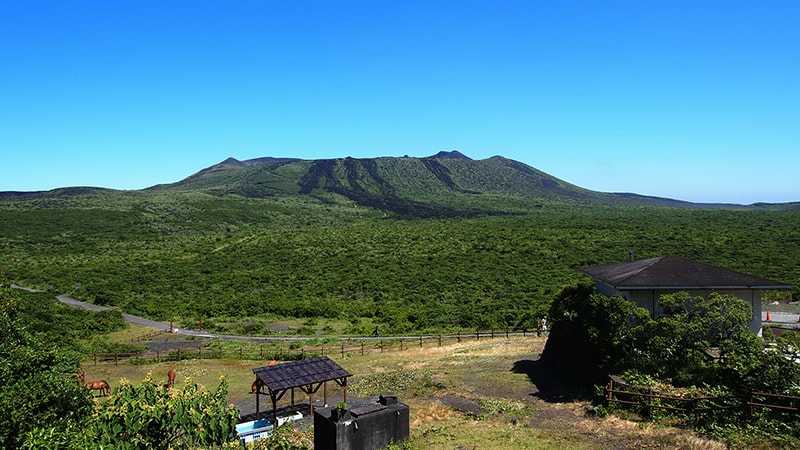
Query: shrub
(148, 415)
(591, 334)
(38, 386)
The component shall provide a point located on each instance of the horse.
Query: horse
(99, 385)
(170, 378)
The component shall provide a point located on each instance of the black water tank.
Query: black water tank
(367, 426)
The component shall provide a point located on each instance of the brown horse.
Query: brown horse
(170, 378)
(99, 385)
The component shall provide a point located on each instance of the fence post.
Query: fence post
(523, 332)
(748, 409)
(381, 345)
(362, 348)
(303, 352)
(323, 350)
(94, 355)
(506, 333)
(492, 333)
(401, 345)
(420, 342)
(440, 340)
(342, 349)
(261, 349)
(458, 336)
(478, 335)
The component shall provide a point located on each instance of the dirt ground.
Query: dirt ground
(490, 394)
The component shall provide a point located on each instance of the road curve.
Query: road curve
(165, 326)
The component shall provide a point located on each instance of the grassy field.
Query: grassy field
(480, 395)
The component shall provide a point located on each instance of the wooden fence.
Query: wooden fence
(619, 392)
(293, 350)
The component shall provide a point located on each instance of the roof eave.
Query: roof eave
(674, 288)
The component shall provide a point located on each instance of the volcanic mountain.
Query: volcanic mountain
(448, 183)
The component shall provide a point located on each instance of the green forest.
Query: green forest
(195, 257)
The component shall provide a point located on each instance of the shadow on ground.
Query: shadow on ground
(551, 385)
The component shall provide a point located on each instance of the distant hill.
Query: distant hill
(448, 183)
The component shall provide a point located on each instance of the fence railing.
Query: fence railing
(292, 350)
(617, 391)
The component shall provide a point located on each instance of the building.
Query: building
(646, 280)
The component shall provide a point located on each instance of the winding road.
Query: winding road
(165, 326)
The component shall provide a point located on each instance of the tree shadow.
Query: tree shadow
(552, 385)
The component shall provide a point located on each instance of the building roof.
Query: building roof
(300, 373)
(674, 272)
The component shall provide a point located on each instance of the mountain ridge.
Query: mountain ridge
(446, 183)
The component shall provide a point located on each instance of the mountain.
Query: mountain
(448, 183)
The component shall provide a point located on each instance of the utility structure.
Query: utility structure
(308, 375)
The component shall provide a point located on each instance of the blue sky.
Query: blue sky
(693, 100)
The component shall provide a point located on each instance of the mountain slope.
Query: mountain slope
(448, 183)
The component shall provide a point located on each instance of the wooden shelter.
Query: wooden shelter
(308, 375)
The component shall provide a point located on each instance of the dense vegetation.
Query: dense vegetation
(676, 353)
(195, 257)
(43, 405)
(407, 244)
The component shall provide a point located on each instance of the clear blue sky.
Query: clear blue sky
(699, 102)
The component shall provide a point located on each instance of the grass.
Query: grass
(511, 417)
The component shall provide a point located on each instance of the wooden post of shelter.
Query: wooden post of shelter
(258, 397)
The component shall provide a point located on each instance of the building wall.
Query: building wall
(649, 300)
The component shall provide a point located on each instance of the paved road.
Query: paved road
(67, 300)
(165, 326)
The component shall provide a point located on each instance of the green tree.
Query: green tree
(591, 334)
(38, 385)
(680, 344)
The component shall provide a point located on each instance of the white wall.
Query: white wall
(649, 300)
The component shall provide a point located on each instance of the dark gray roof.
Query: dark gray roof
(300, 373)
(674, 272)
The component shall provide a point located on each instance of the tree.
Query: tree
(677, 345)
(591, 333)
(38, 385)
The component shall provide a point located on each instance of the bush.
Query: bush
(591, 334)
(149, 415)
(38, 385)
